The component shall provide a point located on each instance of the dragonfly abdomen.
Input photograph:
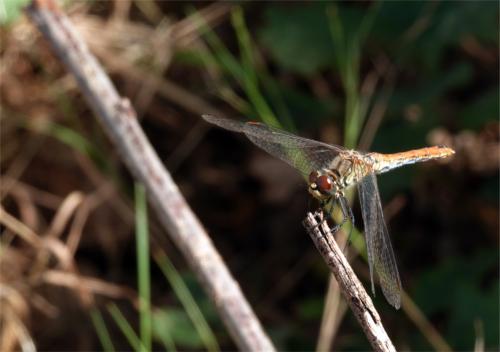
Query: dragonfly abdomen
(386, 162)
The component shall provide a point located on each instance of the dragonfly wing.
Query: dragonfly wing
(304, 154)
(378, 244)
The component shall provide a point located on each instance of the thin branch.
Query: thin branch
(118, 118)
(352, 290)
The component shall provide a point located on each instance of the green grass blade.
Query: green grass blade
(101, 329)
(143, 272)
(65, 135)
(348, 56)
(167, 342)
(245, 44)
(69, 137)
(222, 55)
(273, 92)
(250, 81)
(187, 300)
(367, 23)
(243, 71)
(208, 60)
(125, 327)
(219, 55)
(337, 34)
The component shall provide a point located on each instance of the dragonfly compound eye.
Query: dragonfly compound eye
(324, 183)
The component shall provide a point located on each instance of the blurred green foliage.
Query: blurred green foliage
(172, 325)
(442, 25)
(299, 39)
(461, 289)
(480, 111)
(10, 10)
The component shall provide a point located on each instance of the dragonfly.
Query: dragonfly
(329, 171)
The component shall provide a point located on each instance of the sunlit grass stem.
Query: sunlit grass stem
(189, 303)
(143, 271)
(125, 327)
(102, 330)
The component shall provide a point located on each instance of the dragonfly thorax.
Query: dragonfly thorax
(347, 169)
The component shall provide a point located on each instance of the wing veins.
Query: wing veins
(380, 253)
(304, 154)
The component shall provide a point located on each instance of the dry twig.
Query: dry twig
(353, 291)
(119, 120)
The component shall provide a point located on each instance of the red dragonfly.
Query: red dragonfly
(330, 170)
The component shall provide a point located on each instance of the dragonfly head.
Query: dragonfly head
(321, 186)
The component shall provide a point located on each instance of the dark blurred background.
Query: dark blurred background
(380, 76)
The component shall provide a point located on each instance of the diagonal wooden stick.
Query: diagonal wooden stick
(352, 290)
(118, 119)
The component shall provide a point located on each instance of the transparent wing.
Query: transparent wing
(378, 244)
(304, 154)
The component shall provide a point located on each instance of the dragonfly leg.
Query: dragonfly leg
(323, 213)
(329, 211)
(344, 217)
(347, 213)
(328, 205)
(319, 214)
